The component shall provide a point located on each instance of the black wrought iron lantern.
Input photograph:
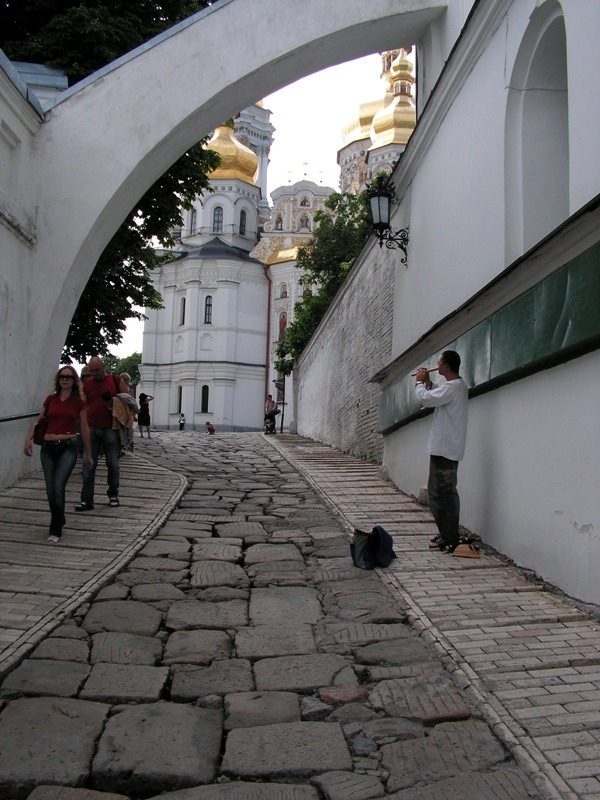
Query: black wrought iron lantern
(381, 195)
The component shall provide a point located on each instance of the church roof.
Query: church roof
(217, 248)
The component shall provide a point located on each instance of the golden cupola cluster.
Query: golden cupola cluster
(237, 160)
(395, 122)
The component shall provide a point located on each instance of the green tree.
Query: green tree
(79, 38)
(341, 230)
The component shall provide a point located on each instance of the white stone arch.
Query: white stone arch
(107, 139)
(536, 155)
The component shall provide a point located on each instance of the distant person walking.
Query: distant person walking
(271, 412)
(210, 428)
(126, 378)
(99, 391)
(182, 422)
(446, 445)
(144, 415)
(66, 410)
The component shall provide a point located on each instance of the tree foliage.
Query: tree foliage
(341, 230)
(79, 38)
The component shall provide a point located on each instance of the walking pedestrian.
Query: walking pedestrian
(446, 445)
(182, 422)
(210, 428)
(99, 391)
(65, 410)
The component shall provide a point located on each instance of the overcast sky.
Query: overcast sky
(308, 117)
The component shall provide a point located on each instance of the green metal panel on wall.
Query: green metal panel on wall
(555, 321)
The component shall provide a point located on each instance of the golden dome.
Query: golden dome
(360, 128)
(237, 160)
(395, 123)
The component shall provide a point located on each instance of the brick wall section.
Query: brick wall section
(335, 403)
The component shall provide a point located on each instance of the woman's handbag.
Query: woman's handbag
(40, 430)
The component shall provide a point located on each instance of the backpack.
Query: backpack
(370, 550)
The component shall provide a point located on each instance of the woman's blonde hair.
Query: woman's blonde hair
(76, 388)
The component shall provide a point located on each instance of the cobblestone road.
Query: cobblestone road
(218, 643)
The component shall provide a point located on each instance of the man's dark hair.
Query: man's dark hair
(452, 360)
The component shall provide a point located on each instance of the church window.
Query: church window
(179, 398)
(208, 304)
(193, 221)
(204, 400)
(242, 223)
(217, 224)
(182, 311)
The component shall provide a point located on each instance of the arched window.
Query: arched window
(182, 311)
(208, 310)
(242, 223)
(217, 224)
(284, 291)
(193, 221)
(204, 402)
(179, 398)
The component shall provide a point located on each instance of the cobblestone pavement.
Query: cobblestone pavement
(219, 644)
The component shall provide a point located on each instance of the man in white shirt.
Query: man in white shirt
(446, 446)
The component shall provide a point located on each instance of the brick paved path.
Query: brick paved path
(242, 624)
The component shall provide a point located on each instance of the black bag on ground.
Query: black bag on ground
(370, 550)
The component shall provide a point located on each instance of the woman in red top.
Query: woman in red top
(65, 409)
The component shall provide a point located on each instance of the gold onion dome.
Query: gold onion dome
(360, 128)
(237, 160)
(394, 123)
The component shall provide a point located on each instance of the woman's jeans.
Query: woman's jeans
(109, 441)
(58, 460)
(444, 501)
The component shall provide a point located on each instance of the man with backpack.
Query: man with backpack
(99, 391)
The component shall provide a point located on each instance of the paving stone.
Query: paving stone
(420, 699)
(349, 786)
(158, 747)
(221, 594)
(258, 553)
(277, 578)
(249, 709)
(196, 647)
(63, 650)
(290, 605)
(124, 683)
(69, 793)
(161, 546)
(124, 616)
(216, 550)
(44, 677)
(156, 563)
(241, 530)
(384, 731)
(451, 749)
(58, 737)
(190, 614)
(337, 695)
(293, 750)
(125, 648)
(220, 678)
(352, 712)
(148, 592)
(313, 709)
(135, 577)
(406, 650)
(358, 633)
(500, 784)
(115, 591)
(264, 641)
(217, 573)
(243, 791)
(69, 632)
(299, 673)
